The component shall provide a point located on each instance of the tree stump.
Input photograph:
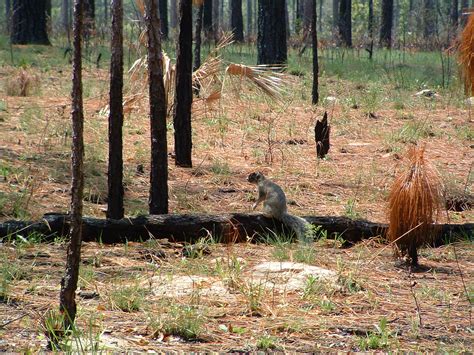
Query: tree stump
(321, 136)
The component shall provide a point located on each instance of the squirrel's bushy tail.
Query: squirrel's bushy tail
(300, 226)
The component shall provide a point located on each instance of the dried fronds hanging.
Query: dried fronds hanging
(266, 78)
(414, 205)
(466, 55)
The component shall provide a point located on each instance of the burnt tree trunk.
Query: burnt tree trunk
(89, 17)
(115, 168)
(320, 17)
(321, 136)
(370, 28)
(65, 16)
(271, 34)
(249, 19)
(158, 201)
(236, 227)
(29, 20)
(454, 15)
(345, 22)
(8, 12)
(386, 24)
(207, 20)
(184, 91)
(215, 17)
(236, 20)
(163, 6)
(314, 43)
(197, 44)
(67, 296)
(335, 14)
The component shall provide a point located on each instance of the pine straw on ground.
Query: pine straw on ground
(425, 311)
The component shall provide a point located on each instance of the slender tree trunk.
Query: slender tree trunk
(287, 20)
(335, 14)
(236, 20)
(215, 16)
(320, 17)
(345, 22)
(8, 11)
(29, 22)
(249, 19)
(67, 296)
(221, 15)
(207, 20)
(184, 92)
(454, 14)
(158, 201)
(271, 36)
(65, 16)
(299, 15)
(314, 42)
(89, 17)
(197, 38)
(370, 28)
(115, 170)
(429, 20)
(173, 13)
(307, 17)
(386, 24)
(163, 6)
(105, 6)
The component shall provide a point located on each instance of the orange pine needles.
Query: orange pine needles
(466, 55)
(414, 205)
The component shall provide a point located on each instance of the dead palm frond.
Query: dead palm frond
(466, 55)
(414, 205)
(266, 78)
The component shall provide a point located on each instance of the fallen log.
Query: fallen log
(237, 227)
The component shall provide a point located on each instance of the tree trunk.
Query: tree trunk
(464, 11)
(8, 11)
(207, 21)
(287, 20)
(115, 169)
(249, 19)
(184, 91)
(29, 22)
(299, 15)
(238, 227)
(386, 24)
(370, 28)
(429, 17)
(454, 15)
(158, 201)
(173, 13)
(197, 38)
(307, 17)
(335, 14)
(67, 301)
(65, 16)
(215, 16)
(221, 15)
(236, 20)
(320, 17)
(163, 6)
(105, 6)
(314, 42)
(322, 131)
(345, 22)
(271, 35)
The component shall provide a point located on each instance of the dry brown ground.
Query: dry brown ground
(229, 142)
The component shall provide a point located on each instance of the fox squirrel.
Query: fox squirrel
(274, 205)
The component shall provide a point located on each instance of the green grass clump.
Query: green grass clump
(184, 321)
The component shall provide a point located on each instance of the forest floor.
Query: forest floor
(373, 304)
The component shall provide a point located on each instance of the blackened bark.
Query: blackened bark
(158, 200)
(314, 42)
(197, 38)
(429, 17)
(370, 28)
(236, 20)
(173, 13)
(8, 11)
(65, 15)
(29, 19)
(207, 20)
(249, 19)
(321, 136)
(67, 301)
(215, 16)
(386, 24)
(163, 5)
(271, 35)
(307, 17)
(345, 22)
(184, 92)
(115, 169)
(89, 17)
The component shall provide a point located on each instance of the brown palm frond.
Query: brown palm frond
(466, 55)
(266, 78)
(414, 204)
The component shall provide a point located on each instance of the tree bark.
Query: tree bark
(322, 131)
(454, 14)
(207, 21)
(215, 16)
(249, 19)
(173, 13)
(370, 28)
(8, 11)
(236, 227)
(115, 169)
(197, 38)
(89, 17)
(65, 16)
(163, 6)
(236, 20)
(335, 14)
(320, 17)
(386, 24)
(184, 91)
(271, 36)
(67, 295)
(158, 201)
(314, 42)
(29, 19)
(429, 18)
(345, 22)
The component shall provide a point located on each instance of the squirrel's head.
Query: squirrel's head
(255, 177)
